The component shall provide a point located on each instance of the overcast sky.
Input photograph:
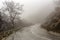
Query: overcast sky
(35, 10)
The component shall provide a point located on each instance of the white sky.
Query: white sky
(35, 10)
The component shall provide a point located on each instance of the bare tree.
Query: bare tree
(9, 14)
(14, 10)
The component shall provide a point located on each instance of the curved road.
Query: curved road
(34, 32)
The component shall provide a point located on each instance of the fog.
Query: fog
(35, 11)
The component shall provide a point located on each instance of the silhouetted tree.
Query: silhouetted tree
(14, 10)
(9, 15)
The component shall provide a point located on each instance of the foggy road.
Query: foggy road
(32, 33)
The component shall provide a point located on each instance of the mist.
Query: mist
(35, 11)
(22, 20)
